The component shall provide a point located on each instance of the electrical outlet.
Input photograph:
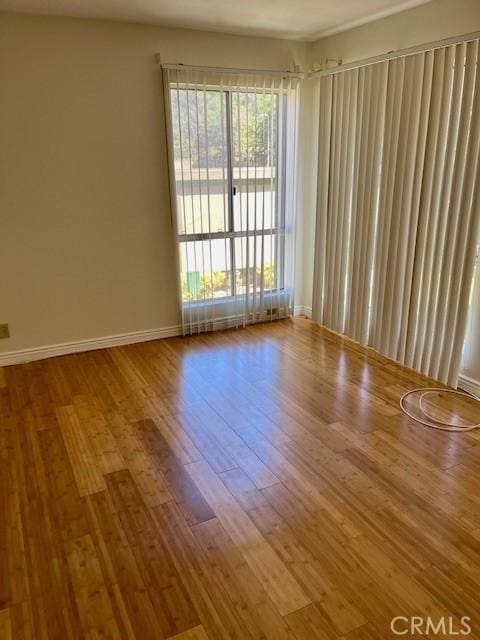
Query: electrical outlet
(4, 331)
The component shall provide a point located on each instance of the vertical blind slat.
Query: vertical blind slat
(414, 230)
(403, 211)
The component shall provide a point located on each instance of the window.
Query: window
(230, 188)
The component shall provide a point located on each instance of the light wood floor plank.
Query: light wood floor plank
(84, 460)
(278, 582)
(93, 600)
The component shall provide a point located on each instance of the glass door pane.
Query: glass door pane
(205, 269)
(201, 160)
(254, 125)
(250, 276)
(202, 165)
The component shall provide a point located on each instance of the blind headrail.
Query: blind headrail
(400, 53)
(232, 71)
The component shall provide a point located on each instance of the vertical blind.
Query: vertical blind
(232, 143)
(398, 206)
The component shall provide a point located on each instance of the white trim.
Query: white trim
(409, 4)
(469, 384)
(401, 53)
(301, 310)
(40, 353)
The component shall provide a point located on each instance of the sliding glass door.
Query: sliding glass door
(229, 168)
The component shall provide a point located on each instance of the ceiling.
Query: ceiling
(294, 19)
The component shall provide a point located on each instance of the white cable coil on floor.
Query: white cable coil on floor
(430, 420)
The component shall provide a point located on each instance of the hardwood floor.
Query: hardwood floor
(259, 483)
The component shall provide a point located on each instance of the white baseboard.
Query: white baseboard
(300, 310)
(40, 353)
(469, 384)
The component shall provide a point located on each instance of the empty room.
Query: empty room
(239, 319)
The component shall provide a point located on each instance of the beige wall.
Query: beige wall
(429, 22)
(86, 244)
